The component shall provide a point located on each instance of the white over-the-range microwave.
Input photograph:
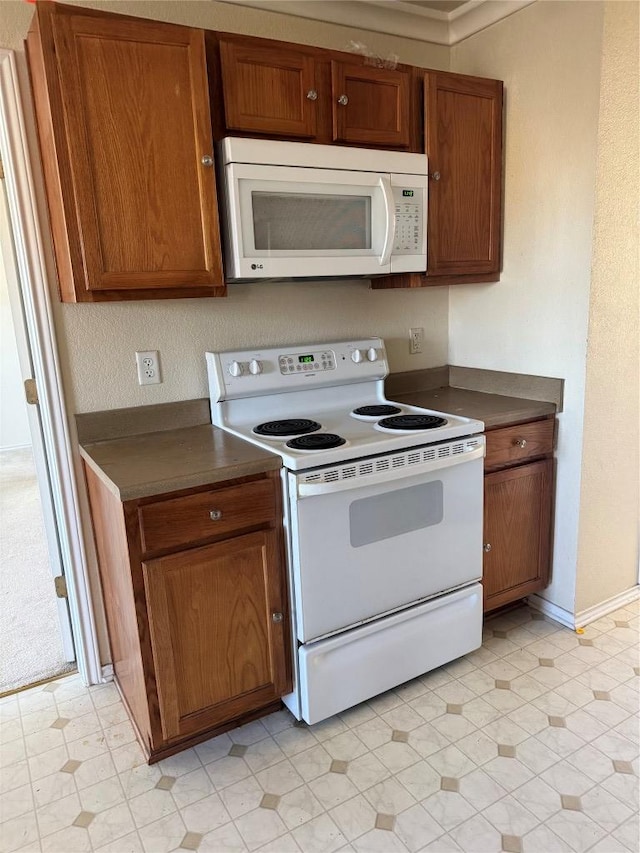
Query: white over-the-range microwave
(300, 210)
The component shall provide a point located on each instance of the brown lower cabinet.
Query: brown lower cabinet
(195, 595)
(518, 489)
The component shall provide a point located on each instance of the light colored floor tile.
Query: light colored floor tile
(298, 807)
(259, 827)
(477, 835)
(354, 817)
(416, 828)
(448, 809)
(218, 796)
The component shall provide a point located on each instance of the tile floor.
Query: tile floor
(528, 744)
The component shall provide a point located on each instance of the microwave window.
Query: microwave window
(299, 221)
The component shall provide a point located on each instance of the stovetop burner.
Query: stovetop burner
(290, 426)
(316, 441)
(376, 411)
(411, 422)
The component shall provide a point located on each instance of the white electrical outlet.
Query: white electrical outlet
(416, 340)
(148, 367)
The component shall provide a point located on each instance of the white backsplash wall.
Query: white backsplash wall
(98, 342)
(535, 319)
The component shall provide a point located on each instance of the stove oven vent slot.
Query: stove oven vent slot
(457, 448)
(348, 473)
(444, 451)
(382, 465)
(398, 462)
(365, 468)
(428, 454)
(413, 458)
(332, 476)
(313, 478)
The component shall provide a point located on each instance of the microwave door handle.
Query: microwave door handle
(385, 186)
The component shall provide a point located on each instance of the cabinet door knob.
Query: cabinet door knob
(312, 95)
(277, 617)
(215, 514)
(207, 160)
(343, 100)
(520, 442)
(435, 176)
(486, 547)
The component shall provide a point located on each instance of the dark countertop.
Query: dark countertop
(154, 463)
(494, 410)
(158, 462)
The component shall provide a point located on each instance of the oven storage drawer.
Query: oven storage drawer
(350, 668)
(515, 444)
(180, 521)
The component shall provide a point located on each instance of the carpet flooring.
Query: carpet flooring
(30, 642)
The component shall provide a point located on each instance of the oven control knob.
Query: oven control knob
(255, 366)
(236, 368)
(372, 354)
(356, 356)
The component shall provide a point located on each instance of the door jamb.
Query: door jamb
(38, 312)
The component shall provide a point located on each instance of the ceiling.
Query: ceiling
(438, 21)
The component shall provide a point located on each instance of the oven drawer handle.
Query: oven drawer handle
(307, 490)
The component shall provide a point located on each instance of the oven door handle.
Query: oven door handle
(307, 490)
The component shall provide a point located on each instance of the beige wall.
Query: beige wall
(608, 541)
(535, 319)
(97, 342)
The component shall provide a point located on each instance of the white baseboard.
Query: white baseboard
(585, 617)
(553, 611)
(107, 672)
(597, 611)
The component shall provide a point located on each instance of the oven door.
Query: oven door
(285, 222)
(378, 543)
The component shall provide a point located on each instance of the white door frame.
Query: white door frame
(34, 424)
(30, 258)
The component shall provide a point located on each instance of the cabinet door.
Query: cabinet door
(268, 90)
(218, 650)
(371, 106)
(464, 146)
(517, 531)
(131, 132)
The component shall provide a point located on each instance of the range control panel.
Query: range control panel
(294, 362)
(410, 234)
(248, 373)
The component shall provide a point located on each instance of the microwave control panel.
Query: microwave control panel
(410, 236)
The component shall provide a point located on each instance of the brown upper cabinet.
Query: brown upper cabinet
(463, 141)
(294, 92)
(122, 107)
(463, 133)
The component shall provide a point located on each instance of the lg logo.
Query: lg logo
(257, 267)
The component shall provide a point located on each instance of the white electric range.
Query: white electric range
(383, 516)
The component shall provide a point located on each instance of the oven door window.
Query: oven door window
(395, 513)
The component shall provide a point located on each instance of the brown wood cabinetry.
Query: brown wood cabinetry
(196, 602)
(463, 139)
(517, 511)
(295, 92)
(122, 107)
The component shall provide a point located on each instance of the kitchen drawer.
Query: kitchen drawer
(511, 445)
(179, 521)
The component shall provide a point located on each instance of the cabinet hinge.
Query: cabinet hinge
(31, 392)
(61, 586)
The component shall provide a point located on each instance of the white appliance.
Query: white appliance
(295, 209)
(383, 516)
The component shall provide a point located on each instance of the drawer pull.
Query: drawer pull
(277, 617)
(520, 442)
(215, 514)
(486, 547)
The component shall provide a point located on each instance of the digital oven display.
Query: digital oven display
(305, 359)
(407, 193)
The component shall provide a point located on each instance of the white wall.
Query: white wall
(14, 424)
(608, 540)
(535, 319)
(98, 342)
